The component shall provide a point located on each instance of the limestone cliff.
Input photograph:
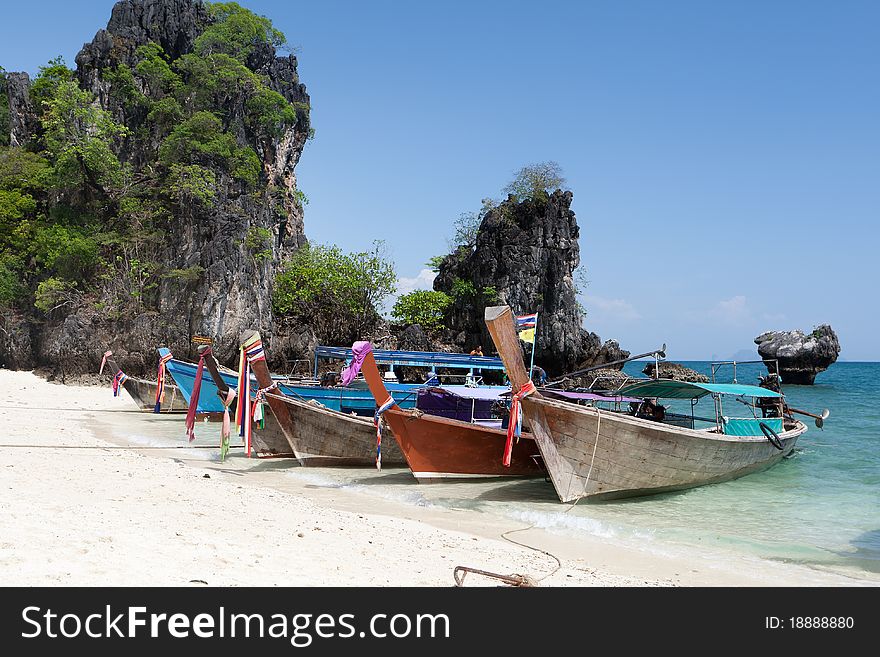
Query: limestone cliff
(227, 286)
(525, 256)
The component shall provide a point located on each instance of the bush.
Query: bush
(236, 32)
(336, 292)
(54, 293)
(191, 183)
(258, 241)
(66, 251)
(9, 286)
(423, 307)
(536, 181)
(198, 140)
(154, 68)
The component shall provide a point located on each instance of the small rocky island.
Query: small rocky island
(801, 357)
(675, 371)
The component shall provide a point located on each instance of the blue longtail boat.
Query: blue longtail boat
(355, 398)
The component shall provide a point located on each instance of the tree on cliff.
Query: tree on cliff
(335, 293)
(536, 181)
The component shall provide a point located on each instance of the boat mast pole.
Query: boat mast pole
(534, 346)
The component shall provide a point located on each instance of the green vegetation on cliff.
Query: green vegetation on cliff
(423, 307)
(334, 292)
(86, 205)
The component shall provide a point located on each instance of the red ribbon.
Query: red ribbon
(514, 424)
(194, 397)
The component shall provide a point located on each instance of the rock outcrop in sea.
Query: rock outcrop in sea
(222, 259)
(674, 371)
(801, 356)
(525, 256)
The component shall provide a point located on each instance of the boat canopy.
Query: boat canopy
(670, 389)
(432, 359)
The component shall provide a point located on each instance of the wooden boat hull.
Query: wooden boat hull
(640, 457)
(324, 437)
(593, 453)
(144, 395)
(345, 400)
(437, 448)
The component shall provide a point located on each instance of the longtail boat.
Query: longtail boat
(316, 435)
(355, 398)
(438, 447)
(143, 392)
(594, 453)
(268, 442)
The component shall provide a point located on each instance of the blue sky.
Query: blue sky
(724, 157)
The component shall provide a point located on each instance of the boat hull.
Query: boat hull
(597, 454)
(437, 448)
(346, 400)
(143, 393)
(323, 437)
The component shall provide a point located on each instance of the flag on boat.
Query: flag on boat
(525, 326)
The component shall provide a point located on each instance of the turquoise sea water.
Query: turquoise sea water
(819, 508)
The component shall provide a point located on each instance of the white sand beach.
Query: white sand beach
(82, 505)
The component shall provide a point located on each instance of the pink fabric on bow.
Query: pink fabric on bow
(359, 351)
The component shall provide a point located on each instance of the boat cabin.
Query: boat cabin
(766, 406)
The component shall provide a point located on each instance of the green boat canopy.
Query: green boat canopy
(669, 389)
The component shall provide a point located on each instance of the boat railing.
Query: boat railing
(766, 361)
(608, 377)
(299, 368)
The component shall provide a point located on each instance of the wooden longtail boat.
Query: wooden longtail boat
(268, 442)
(318, 436)
(439, 448)
(143, 392)
(593, 453)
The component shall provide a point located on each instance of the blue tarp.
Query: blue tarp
(432, 359)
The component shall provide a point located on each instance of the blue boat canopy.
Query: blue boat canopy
(669, 389)
(430, 359)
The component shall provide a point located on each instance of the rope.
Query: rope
(505, 536)
(514, 424)
(377, 420)
(592, 460)
(532, 547)
(257, 409)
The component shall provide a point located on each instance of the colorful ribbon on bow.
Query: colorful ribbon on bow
(257, 410)
(377, 420)
(250, 353)
(107, 355)
(514, 424)
(194, 397)
(224, 430)
(118, 380)
(160, 382)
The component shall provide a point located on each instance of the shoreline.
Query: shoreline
(119, 514)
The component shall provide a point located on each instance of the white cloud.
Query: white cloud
(618, 309)
(735, 310)
(424, 281)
